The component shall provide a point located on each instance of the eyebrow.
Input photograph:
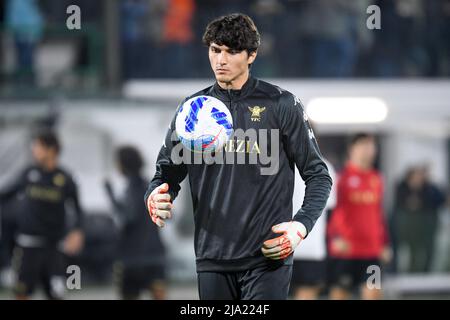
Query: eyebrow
(215, 46)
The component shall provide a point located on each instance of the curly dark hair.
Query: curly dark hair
(48, 138)
(236, 31)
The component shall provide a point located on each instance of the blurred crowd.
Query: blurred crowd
(300, 38)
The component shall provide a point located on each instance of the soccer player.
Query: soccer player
(244, 230)
(43, 236)
(141, 251)
(357, 231)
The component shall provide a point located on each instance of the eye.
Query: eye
(234, 51)
(215, 50)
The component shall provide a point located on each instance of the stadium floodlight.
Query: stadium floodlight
(347, 110)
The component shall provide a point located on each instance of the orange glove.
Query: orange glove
(159, 205)
(283, 246)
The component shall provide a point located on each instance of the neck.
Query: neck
(49, 164)
(363, 165)
(235, 84)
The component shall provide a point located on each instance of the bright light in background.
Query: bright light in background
(347, 110)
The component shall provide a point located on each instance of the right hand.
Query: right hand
(159, 205)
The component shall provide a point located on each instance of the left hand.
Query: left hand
(282, 246)
(73, 243)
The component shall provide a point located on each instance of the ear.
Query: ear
(251, 57)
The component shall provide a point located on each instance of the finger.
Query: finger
(268, 251)
(281, 227)
(271, 251)
(276, 249)
(163, 214)
(163, 205)
(286, 254)
(276, 256)
(163, 188)
(162, 197)
(158, 221)
(274, 242)
(280, 255)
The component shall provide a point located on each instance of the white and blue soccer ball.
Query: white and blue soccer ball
(204, 124)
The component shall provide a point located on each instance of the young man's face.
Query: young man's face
(42, 153)
(228, 64)
(365, 150)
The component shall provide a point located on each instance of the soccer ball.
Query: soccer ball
(204, 124)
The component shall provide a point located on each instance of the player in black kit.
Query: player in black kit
(43, 234)
(244, 231)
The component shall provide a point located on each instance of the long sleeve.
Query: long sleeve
(301, 147)
(128, 208)
(117, 205)
(72, 197)
(166, 170)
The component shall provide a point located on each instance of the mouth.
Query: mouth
(220, 71)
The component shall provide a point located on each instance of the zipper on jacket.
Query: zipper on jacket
(230, 105)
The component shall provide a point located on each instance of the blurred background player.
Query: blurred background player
(141, 251)
(42, 235)
(309, 270)
(416, 207)
(357, 234)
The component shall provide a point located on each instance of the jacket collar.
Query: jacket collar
(233, 95)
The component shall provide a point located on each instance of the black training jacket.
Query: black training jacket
(235, 205)
(44, 212)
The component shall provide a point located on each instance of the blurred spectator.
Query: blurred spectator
(399, 48)
(437, 27)
(134, 14)
(300, 38)
(411, 36)
(141, 252)
(2, 46)
(417, 202)
(24, 20)
(267, 14)
(177, 38)
(386, 56)
(329, 37)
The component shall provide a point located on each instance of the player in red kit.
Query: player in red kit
(357, 234)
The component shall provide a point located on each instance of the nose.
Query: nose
(222, 58)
